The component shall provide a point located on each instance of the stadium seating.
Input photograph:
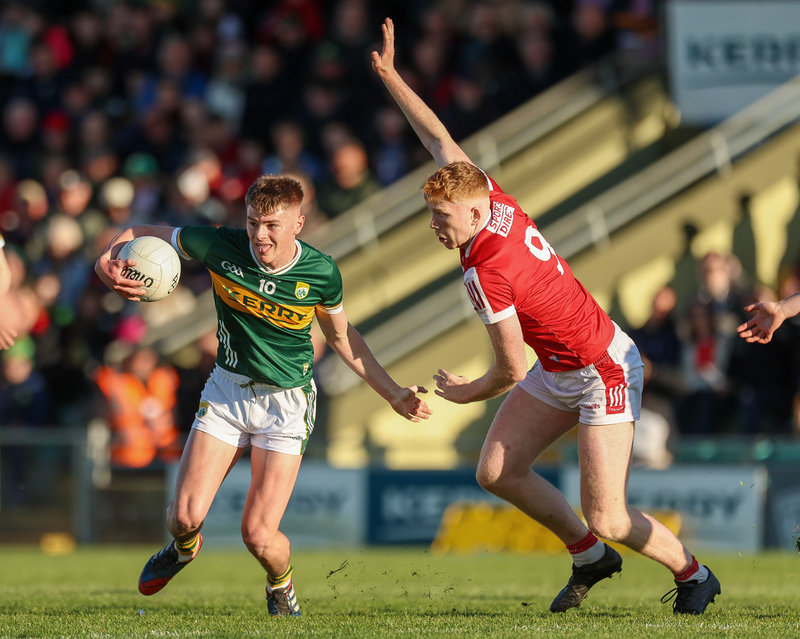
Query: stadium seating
(632, 267)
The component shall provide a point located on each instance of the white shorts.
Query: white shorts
(606, 392)
(240, 412)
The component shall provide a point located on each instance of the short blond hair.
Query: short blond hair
(270, 193)
(456, 182)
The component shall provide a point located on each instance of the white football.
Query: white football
(158, 267)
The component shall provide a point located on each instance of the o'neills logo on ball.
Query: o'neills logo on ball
(132, 274)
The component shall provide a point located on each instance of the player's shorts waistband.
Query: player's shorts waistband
(243, 380)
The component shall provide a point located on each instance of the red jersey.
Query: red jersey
(510, 268)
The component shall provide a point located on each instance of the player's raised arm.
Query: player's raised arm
(348, 344)
(109, 268)
(428, 127)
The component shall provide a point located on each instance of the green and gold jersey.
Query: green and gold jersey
(264, 317)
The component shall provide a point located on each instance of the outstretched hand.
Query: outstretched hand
(407, 404)
(7, 337)
(452, 387)
(384, 62)
(760, 328)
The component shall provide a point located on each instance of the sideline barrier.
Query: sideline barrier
(472, 527)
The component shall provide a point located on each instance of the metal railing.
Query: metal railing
(592, 224)
(83, 454)
(710, 153)
(362, 225)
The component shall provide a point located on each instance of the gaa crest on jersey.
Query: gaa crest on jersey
(301, 290)
(201, 412)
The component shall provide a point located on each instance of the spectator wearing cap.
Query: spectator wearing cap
(142, 171)
(23, 390)
(24, 402)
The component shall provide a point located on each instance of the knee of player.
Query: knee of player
(181, 521)
(489, 476)
(608, 525)
(257, 539)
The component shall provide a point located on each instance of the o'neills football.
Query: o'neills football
(158, 267)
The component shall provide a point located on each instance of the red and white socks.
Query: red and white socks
(695, 572)
(587, 551)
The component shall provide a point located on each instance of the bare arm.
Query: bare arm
(348, 344)
(510, 366)
(109, 268)
(5, 273)
(768, 318)
(428, 127)
(7, 334)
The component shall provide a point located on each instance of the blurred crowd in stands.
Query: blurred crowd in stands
(701, 378)
(164, 111)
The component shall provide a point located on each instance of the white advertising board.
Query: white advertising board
(726, 54)
(721, 507)
(327, 508)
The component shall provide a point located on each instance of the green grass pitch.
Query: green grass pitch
(383, 592)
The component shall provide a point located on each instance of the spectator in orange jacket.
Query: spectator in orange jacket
(141, 398)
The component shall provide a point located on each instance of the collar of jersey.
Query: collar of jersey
(282, 269)
(475, 237)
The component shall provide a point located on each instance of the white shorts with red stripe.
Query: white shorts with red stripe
(606, 392)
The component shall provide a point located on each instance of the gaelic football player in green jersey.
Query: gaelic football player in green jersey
(267, 286)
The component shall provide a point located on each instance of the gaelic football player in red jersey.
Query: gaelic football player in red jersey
(589, 372)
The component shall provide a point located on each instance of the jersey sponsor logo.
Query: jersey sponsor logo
(201, 412)
(247, 301)
(502, 219)
(236, 270)
(301, 290)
